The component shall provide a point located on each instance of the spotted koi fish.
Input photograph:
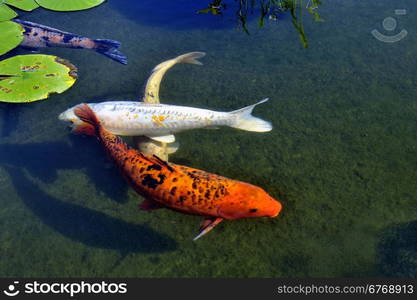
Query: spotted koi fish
(177, 187)
(39, 36)
(160, 121)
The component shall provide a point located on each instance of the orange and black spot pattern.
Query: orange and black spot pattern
(178, 187)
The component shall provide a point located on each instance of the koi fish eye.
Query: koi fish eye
(253, 210)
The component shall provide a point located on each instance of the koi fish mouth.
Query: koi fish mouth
(69, 118)
(273, 216)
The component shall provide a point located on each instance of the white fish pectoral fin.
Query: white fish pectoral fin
(172, 148)
(170, 138)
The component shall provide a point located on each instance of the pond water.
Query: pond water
(342, 157)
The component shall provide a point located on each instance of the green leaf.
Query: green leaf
(6, 13)
(27, 78)
(69, 5)
(27, 5)
(11, 35)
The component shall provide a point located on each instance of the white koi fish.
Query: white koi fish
(160, 121)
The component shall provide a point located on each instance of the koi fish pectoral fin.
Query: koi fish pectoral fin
(172, 148)
(149, 205)
(207, 225)
(170, 138)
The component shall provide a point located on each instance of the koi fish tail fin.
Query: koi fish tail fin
(191, 58)
(90, 125)
(109, 48)
(151, 89)
(188, 58)
(246, 121)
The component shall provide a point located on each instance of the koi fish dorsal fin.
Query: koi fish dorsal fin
(156, 160)
(47, 28)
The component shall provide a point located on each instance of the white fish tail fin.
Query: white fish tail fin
(246, 121)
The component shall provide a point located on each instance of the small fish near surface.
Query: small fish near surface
(160, 121)
(39, 36)
(177, 187)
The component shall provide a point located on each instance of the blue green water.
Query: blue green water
(342, 157)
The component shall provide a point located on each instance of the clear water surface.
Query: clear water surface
(342, 156)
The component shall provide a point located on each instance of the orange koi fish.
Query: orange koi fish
(180, 188)
(40, 36)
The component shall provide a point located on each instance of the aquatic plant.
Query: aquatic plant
(215, 8)
(69, 5)
(6, 13)
(11, 36)
(274, 8)
(270, 9)
(27, 78)
(296, 9)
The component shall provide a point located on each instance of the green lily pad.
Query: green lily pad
(11, 35)
(27, 78)
(27, 5)
(6, 13)
(69, 5)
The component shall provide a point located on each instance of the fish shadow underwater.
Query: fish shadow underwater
(10, 115)
(43, 160)
(92, 228)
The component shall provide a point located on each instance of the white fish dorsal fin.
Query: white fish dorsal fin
(151, 93)
(170, 138)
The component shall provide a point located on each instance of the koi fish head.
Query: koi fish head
(248, 201)
(70, 118)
